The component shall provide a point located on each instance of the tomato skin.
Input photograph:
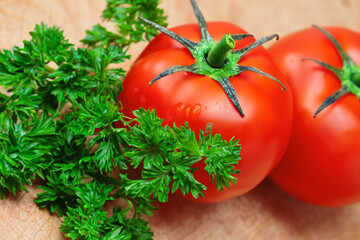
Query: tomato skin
(263, 132)
(322, 163)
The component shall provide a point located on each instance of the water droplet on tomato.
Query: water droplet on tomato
(195, 110)
(187, 112)
(179, 107)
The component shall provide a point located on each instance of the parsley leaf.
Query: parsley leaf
(25, 151)
(168, 154)
(57, 122)
(128, 29)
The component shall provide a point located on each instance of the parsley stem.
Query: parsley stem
(105, 179)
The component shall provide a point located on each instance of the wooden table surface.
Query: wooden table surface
(265, 212)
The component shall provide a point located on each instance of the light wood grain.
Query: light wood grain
(263, 213)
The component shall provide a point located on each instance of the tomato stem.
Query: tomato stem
(356, 78)
(217, 55)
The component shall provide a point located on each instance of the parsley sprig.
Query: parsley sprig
(57, 115)
(127, 29)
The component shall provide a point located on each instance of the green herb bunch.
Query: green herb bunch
(57, 116)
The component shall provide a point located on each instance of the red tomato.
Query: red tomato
(263, 132)
(322, 162)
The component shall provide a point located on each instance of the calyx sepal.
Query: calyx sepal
(349, 74)
(216, 60)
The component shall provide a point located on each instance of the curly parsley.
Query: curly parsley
(57, 118)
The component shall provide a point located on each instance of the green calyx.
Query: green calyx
(350, 79)
(349, 74)
(216, 60)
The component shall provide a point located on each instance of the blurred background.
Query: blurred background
(265, 212)
(259, 17)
